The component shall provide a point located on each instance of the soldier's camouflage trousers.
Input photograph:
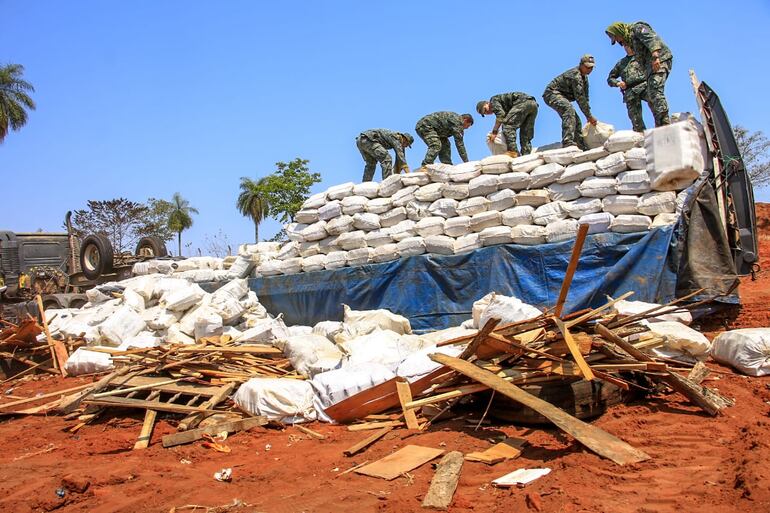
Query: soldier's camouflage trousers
(633, 98)
(521, 117)
(656, 83)
(374, 152)
(571, 130)
(436, 146)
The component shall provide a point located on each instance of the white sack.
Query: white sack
(623, 140)
(455, 191)
(440, 244)
(517, 215)
(681, 340)
(379, 205)
(674, 156)
(483, 185)
(508, 309)
(495, 235)
(515, 181)
(411, 246)
(444, 207)
(620, 204)
(549, 213)
(334, 386)
(429, 226)
(286, 400)
(747, 350)
(577, 172)
(596, 135)
(545, 175)
(654, 203)
(561, 230)
(599, 222)
(467, 243)
(457, 226)
(501, 200)
(533, 198)
(633, 182)
(564, 191)
(631, 223)
(415, 178)
(83, 361)
(528, 234)
(354, 204)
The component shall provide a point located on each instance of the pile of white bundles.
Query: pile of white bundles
(629, 184)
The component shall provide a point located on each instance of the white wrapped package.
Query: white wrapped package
(294, 231)
(328, 245)
(517, 215)
(439, 172)
(595, 187)
(515, 181)
(466, 171)
(379, 205)
(526, 163)
(366, 189)
(224, 298)
(266, 331)
(385, 253)
(591, 155)
(549, 213)
(366, 321)
(564, 191)
(429, 226)
(577, 172)
(314, 263)
(411, 246)
(440, 245)
(598, 134)
(528, 234)
(336, 260)
(561, 156)
(392, 217)
(533, 198)
(404, 196)
(681, 341)
(478, 308)
(501, 200)
(141, 340)
(508, 309)
(654, 203)
(307, 216)
(416, 210)
(467, 243)
(674, 156)
(269, 268)
(197, 275)
(403, 230)
(289, 401)
(633, 182)
(315, 201)
(134, 299)
(664, 220)
(83, 361)
(631, 223)
(495, 235)
(337, 192)
(123, 324)
(545, 175)
(361, 256)
(471, 206)
(496, 164)
(336, 385)
(242, 266)
(352, 240)
(183, 298)
(444, 207)
(329, 210)
(389, 186)
(484, 220)
(289, 250)
(620, 204)
(628, 308)
(382, 347)
(561, 230)
(310, 354)
(175, 335)
(366, 221)
(430, 192)
(313, 232)
(327, 329)
(623, 140)
(307, 249)
(636, 158)
(415, 178)
(611, 165)
(456, 191)
(419, 364)
(457, 226)
(377, 238)
(158, 318)
(300, 330)
(599, 222)
(483, 185)
(747, 350)
(291, 266)
(496, 143)
(208, 323)
(354, 204)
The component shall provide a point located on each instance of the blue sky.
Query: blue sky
(142, 99)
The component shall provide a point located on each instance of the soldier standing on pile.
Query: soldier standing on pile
(572, 85)
(436, 129)
(653, 56)
(629, 76)
(513, 111)
(374, 145)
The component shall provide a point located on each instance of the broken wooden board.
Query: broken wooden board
(599, 441)
(234, 426)
(366, 442)
(403, 460)
(444, 482)
(505, 450)
(146, 433)
(404, 397)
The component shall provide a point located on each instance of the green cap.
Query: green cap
(588, 61)
(409, 139)
(480, 107)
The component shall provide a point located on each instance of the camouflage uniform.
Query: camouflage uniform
(435, 130)
(629, 71)
(559, 94)
(515, 111)
(374, 145)
(644, 41)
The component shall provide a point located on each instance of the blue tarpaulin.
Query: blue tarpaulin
(436, 292)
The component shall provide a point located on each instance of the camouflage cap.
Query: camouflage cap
(480, 107)
(588, 61)
(408, 138)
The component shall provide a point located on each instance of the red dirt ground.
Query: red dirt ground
(698, 463)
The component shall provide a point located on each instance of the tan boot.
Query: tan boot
(512, 154)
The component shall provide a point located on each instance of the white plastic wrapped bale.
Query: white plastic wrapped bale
(411, 246)
(377, 238)
(300, 330)
(747, 350)
(628, 308)
(85, 361)
(478, 308)
(596, 135)
(242, 267)
(404, 196)
(517, 215)
(389, 186)
(444, 207)
(472, 206)
(328, 245)
(526, 163)
(599, 222)
(430, 192)
(483, 185)
(611, 165)
(337, 192)
(158, 318)
(354, 204)
(508, 309)
(528, 235)
(367, 321)
(674, 156)
(440, 172)
(336, 385)
(496, 164)
(121, 325)
(654, 203)
(430, 226)
(314, 263)
(267, 331)
(143, 339)
(682, 342)
(564, 191)
(379, 205)
(291, 266)
(591, 155)
(515, 181)
(143, 285)
(618, 204)
(467, 243)
(336, 260)
(484, 220)
(418, 178)
(339, 225)
(229, 307)
(96, 295)
(313, 232)
(360, 256)
(496, 143)
(466, 171)
(419, 364)
(208, 323)
(327, 329)
(382, 347)
(385, 253)
(545, 175)
(440, 245)
(549, 213)
(367, 189)
(623, 140)
(495, 235)
(630, 223)
(403, 230)
(329, 210)
(561, 156)
(633, 182)
(457, 226)
(416, 210)
(307, 216)
(294, 231)
(269, 268)
(187, 322)
(595, 187)
(308, 249)
(288, 250)
(664, 220)
(501, 200)
(134, 300)
(352, 240)
(533, 198)
(559, 231)
(286, 400)
(197, 275)
(392, 217)
(315, 201)
(310, 354)
(636, 158)
(577, 172)
(455, 191)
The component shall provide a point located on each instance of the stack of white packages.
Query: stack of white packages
(629, 184)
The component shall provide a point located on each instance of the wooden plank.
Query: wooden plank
(479, 338)
(233, 426)
(57, 393)
(574, 350)
(122, 402)
(404, 397)
(146, 433)
(505, 450)
(120, 391)
(375, 425)
(588, 315)
(58, 351)
(444, 483)
(599, 441)
(244, 350)
(571, 267)
(192, 421)
(186, 388)
(403, 460)
(71, 403)
(366, 442)
(445, 396)
(310, 432)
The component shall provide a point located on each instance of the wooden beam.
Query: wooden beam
(310, 432)
(404, 397)
(599, 441)
(374, 425)
(57, 393)
(119, 391)
(192, 421)
(571, 267)
(233, 426)
(366, 442)
(574, 350)
(71, 403)
(146, 433)
(58, 351)
(122, 402)
(444, 482)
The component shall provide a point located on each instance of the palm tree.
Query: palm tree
(13, 99)
(180, 219)
(251, 203)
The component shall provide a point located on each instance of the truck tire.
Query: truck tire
(151, 246)
(96, 256)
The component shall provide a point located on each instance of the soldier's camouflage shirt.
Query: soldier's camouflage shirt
(502, 104)
(644, 41)
(574, 87)
(446, 124)
(389, 139)
(628, 70)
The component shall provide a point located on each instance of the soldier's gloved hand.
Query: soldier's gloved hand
(622, 85)
(656, 65)
(592, 120)
(405, 168)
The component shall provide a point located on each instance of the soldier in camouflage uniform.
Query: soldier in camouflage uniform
(653, 56)
(436, 129)
(629, 76)
(513, 111)
(374, 145)
(572, 85)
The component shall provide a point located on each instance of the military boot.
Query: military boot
(512, 154)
